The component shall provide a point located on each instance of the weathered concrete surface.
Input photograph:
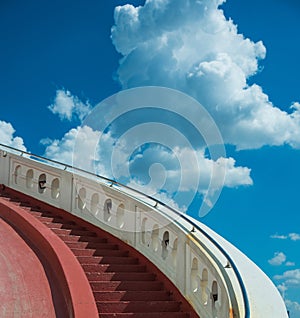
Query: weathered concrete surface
(24, 287)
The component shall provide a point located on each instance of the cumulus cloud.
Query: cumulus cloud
(7, 136)
(66, 106)
(291, 277)
(172, 171)
(167, 173)
(292, 306)
(191, 46)
(102, 153)
(278, 259)
(64, 150)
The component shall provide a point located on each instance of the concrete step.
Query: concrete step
(64, 231)
(69, 226)
(137, 306)
(80, 238)
(98, 252)
(92, 245)
(131, 295)
(40, 213)
(107, 260)
(126, 286)
(121, 276)
(107, 252)
(146, 315)
(121, 268)
(44, 219)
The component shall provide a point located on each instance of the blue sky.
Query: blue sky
(58, 61)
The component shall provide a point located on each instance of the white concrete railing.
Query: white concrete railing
(217, 279)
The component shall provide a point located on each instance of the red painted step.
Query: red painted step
(114, 268)
(69, 226)
(48, 218)
(138, 306)
(103, 277)
(126, 285)
(77, 238)
(97, 252)
(107, 260)
(131, 295)
(146, 315)
(63, 231)
(122, 286)
(91, 245)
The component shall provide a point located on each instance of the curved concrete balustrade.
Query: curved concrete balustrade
(215, 277)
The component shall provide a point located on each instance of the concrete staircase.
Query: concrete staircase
(123, 282)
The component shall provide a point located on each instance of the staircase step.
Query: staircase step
(98, 252)
(121, 268)
(120, 276)
(131, 295)
(6, 197)
(92, 245)
(107, 260)
(137, 306)
(27, 206)
(83, 251)
(146, 315)
(44, 219)
(78, 238)
(64, 231)
(126, 286)
(69, 226)
(40, 213)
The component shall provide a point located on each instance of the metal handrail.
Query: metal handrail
(178, 213)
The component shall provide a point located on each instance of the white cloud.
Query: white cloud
(278, 236)
(291, 236)
(292, 306)
(67, 106)
(188, 167)
(7, 136)
(190, 46)
(291, 277)
(164, 173)
(66, 149)
(278, 259)
(80, 145)
(294, 236)
(290, 263)
(282, 289)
